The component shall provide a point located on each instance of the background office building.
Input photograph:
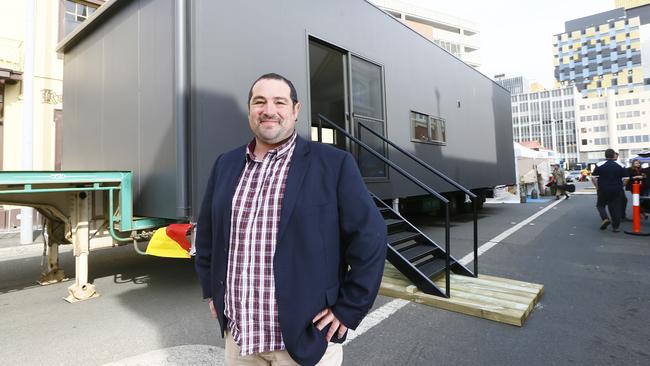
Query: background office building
(456, 35)
(603, 53)
(613, 121)
(515, 85)
(548, 117)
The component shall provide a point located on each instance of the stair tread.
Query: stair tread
(417, 252)
(390, 222)
(433, 267)
(401, 236)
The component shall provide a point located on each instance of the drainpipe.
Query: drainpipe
(26, 214)
(181, 106)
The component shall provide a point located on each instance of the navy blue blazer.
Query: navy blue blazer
(330, 250)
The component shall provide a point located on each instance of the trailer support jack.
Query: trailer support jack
(54, 274)
(81, 289)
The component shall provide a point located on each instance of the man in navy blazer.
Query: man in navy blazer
(329, 245)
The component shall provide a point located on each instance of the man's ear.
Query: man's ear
(296, 109)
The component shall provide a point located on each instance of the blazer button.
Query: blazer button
(225, 250)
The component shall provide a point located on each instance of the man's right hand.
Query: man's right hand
(213, 311)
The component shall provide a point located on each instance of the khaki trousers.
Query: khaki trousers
(333, 356)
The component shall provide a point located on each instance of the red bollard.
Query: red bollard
(636, 211)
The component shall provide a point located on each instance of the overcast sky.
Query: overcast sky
(516, 35)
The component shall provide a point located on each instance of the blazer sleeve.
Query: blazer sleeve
(363, 245)
(203, 243)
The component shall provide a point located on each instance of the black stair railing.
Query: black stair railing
(408, 176)
(442, 176)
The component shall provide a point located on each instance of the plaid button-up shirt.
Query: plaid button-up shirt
(250, 304)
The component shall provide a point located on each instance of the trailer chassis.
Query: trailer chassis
(64, 198)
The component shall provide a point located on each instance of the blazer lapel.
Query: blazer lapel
(297, 170)
(232, 172)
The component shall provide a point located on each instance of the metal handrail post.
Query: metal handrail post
(475, 204)
(447, 249)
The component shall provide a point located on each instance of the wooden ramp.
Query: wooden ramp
(499, 299)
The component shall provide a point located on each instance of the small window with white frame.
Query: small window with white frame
(74, 13)
(428, 129)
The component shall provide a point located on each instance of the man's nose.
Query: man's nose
(269, 110)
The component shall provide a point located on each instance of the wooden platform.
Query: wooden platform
(499, 299)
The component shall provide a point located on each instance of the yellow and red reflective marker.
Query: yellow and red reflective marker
(170, 242)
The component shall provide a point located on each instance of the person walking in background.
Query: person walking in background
(558, 179)
(607, 177)
(636, 174)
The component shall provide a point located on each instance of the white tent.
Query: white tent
(530, 163)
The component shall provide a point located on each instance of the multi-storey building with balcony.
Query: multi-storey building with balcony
(548, 117)
(603, 53)
(456, 35)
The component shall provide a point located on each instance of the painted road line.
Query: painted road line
(497, 239)
(375, 318)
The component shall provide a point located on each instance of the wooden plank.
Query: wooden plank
(472, 307)
(499, 299)
(496, 295)
(530, 288)
(481, 287)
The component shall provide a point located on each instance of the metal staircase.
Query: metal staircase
(414, 254)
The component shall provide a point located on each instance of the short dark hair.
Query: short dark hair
(273, 76)
(610, 154)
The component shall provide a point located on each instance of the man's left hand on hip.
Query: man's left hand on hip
(326, 316)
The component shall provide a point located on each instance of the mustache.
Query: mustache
(274, 118)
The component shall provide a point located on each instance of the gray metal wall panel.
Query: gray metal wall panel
(231, 50)
(157, 141)
(129, 104)
(118, 112)
(82, 106)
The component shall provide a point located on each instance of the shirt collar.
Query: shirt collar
(275, 153)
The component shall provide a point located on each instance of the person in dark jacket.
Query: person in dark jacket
(290, 246)
(608, 180)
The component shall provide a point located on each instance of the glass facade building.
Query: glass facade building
(548, 117)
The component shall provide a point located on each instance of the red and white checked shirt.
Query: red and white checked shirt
(250, 304)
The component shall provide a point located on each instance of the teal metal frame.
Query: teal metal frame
(31, 182)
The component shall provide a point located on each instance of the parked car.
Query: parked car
(573, 176)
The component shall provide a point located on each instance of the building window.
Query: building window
(584, 141)
(74, 13)
(428, 129)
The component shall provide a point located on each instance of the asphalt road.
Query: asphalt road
(595, 309)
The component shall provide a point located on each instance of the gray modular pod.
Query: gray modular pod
(348, 60)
